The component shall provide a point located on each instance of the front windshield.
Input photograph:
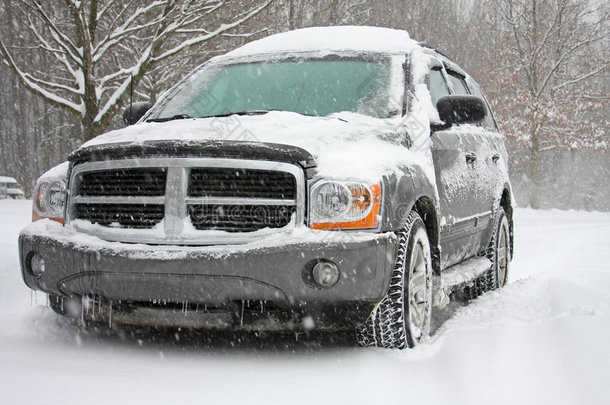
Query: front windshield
(317, 87)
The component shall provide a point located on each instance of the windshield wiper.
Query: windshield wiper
(245, 112)
(172, 118)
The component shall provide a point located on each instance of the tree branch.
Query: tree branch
(66, 105)
(222, 29)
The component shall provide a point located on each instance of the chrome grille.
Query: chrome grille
(182, 198)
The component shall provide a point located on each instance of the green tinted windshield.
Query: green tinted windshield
(310, 87)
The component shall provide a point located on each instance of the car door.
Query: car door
(455, 156)
(483, 153)
(493, 165)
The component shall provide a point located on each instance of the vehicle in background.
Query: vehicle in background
(10, 188)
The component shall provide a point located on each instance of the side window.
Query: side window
(459, 85)
(437, 84)
(489, 121)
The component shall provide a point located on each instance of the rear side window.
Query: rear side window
(459, 85)
(438, 85)
(489, 121)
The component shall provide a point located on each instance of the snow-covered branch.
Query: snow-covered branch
(62, 39)
(93, 49)
(582, 77)
(220, 30)
(53, 85)
(33, 86)
(126, 29)
(563, 57)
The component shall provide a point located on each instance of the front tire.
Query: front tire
(402, 318)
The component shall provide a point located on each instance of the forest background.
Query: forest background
(544, 66)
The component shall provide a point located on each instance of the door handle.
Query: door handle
(471, 157)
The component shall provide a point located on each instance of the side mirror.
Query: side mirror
(461, 109)
(134, 112)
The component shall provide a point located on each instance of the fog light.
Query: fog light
(325, 274)
(37, 264)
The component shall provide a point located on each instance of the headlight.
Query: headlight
(344, 205)
(49, 200)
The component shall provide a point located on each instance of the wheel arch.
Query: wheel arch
(413, 190)
(426, 209)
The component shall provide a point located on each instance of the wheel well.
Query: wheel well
(505, 203)
(427, 211)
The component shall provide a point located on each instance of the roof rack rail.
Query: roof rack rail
(428, 46)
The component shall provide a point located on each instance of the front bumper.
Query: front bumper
(269, 270)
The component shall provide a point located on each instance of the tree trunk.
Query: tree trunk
(535, 172)
(90, 128)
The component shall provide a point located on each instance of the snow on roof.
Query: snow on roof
(343, 38)
(5, 179)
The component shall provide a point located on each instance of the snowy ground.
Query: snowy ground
(543, 339)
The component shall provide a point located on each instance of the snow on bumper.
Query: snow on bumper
(273, 269)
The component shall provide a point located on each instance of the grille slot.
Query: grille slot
(137, 182)
(241, 183)
(135, 216)
(240, 218)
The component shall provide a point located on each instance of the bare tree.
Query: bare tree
(307, 13)
(97, 48)
(549, 58)
(344, 12)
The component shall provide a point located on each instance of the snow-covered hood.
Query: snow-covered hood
(344, 145)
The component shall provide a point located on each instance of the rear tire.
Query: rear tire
(498, 253)
(402, 318)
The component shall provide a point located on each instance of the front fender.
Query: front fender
(402, 192)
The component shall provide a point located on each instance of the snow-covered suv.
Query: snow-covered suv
(324, 178)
